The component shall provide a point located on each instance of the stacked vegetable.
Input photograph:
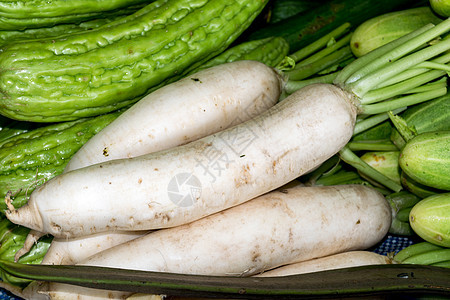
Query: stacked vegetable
(172, 156)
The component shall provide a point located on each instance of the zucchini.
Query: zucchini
(20, 15)
(433, 115)
(382, 29)
(99, 71)
(31, 158)
(8, 36)
(430, 219)
(304, 28)
(426, 159)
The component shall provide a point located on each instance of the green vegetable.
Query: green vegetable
(303, 28)
(283, 9)
(270, 51)
(433, 115)
(416, 188)
(426, 159)
(386, 162)
(12, 128)
(8, 36)
(345, 282)
(430, 219)
(12, 238)
(31, 158)
(382, 29)
(415, 249)
(99, 71)
(401, 203)
(20, 15)
(441, 7)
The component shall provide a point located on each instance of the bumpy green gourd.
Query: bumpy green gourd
(12, 238)
(29, 159)
(269, 51)
(426, 159)
(20, 15)
(95, 72)
(9, 36)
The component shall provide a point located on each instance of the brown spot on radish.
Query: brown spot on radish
(56, 227)
(156, 169)
(358, 222)
(140, 180)
(105, 152)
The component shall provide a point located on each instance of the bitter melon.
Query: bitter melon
(29, 159)
(9, 36)
(90, 73)
(269, 51)
(24, 14)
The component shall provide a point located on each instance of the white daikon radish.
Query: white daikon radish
(70, 251)
(336, 261)
(281, 227)
(191, 108)
(185, 183)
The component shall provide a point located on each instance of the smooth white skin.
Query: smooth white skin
(252, 158)
(191, 108)
(278, 228)
(281, 227)
(71, 251)
(335, 261)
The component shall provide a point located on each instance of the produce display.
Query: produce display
(224, 149)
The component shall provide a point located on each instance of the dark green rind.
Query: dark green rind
(29, 159)
(426, 159)
(95, 72)
(20, 15)
(359, 281)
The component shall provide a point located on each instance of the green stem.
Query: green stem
(402, 101)
(442, 59)
(331, 163)
(347, 74)
(325, 52)
(320, 43)
(434, 65)
(366, 83)
(401, 49)
(371, 121)
(372, 146)
(294, 85)
(384, 93)
(313, 68)
(429, 257)
(429, 86)
(415, 249)
(352, 159)
(400, 228)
